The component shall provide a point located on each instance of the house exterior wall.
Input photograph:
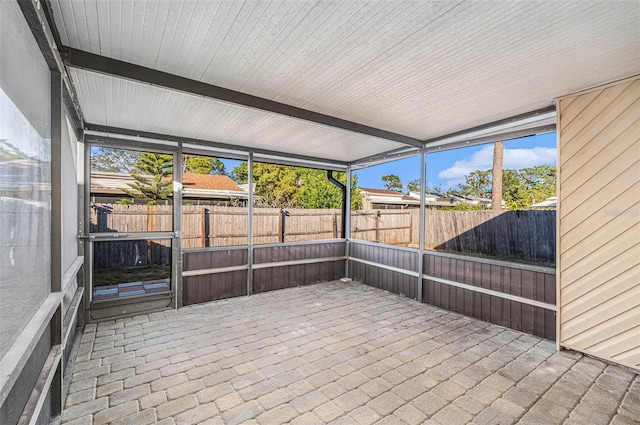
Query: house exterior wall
(599, 222)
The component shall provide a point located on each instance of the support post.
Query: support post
(88, 245)
(176, 241)
(82, 204)
(421, 226)
(56, 232)
(346, 219)
(250, 225)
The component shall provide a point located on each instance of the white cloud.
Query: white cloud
(514, 159)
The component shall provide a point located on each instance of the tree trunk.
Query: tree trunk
(496, 181)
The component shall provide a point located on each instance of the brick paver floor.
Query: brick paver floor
(335, 353)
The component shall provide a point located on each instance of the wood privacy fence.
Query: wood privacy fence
(526, 235)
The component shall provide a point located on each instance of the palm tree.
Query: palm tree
(150, 175)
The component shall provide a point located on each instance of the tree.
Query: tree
(150, 177)
(281, 186)
(514, 191)
(496, 176)
(520, 189)
(113, 160)
(476, 183)
(436, 190)
(465, 206)
(540, 181)
(392, 182)
(203, 165)
(413, 186)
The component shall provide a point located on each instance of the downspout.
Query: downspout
(283, 222)
(343, 189)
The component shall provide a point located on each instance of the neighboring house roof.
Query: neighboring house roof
(193, 185)
(245, 187)
(385, 196)
(478, 199)
(109, 183)
(475, 200)
(434, 199)
(380, 192)
(547, 203)
(210, 186)
(208, 182)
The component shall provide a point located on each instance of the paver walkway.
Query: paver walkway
(335, 353)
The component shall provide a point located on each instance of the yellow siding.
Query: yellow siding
(599, 222)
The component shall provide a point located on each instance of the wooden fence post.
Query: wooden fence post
(204, 237)
(211, 229)
(152, 218)
(410, 228)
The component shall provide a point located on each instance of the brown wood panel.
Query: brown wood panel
(469, 296)
(505, 312)
(197, 260)
(385, 255)
(495, 284)
(205, 288)
(379, 277)
(516, 307)
(211, 287)
(273, 254)
(387, 280)
(533, 284)
(273, 278)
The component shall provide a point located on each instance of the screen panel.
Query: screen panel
(25, 175)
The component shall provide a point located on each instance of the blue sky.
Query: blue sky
(448, 168)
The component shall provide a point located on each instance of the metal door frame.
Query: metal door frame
(147, 302)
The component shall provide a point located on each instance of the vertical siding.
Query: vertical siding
(599, 222)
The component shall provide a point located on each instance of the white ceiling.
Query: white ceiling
(420, 69)
(120, 103)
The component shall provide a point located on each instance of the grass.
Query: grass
(144, 274)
